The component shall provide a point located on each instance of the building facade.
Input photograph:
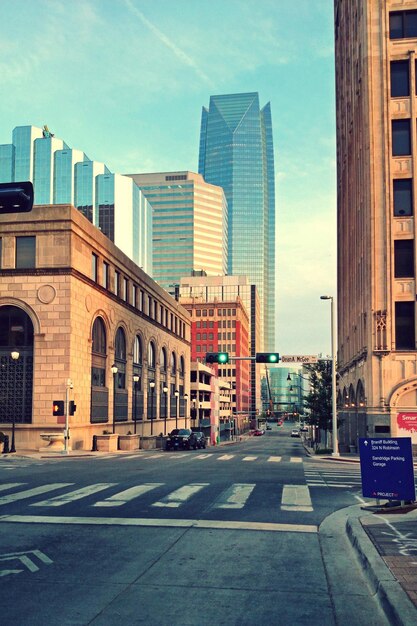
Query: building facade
(224, 289)
(223, 327)
(236, 153)
(376, 45)
(73, 307)
(189, 225)
(61, 175)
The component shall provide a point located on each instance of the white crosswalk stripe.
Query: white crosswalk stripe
(249, 458)
(274, 459)
(118, 499)
(181, 495)
(225, 457)
(28, 493)
(296, 498)
(235, 497)
(7, 486)
(72, 496)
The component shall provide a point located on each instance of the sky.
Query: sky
(125, 80)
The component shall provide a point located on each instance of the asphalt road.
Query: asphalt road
(243, 534)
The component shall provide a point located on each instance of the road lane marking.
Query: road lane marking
(274, 459)
(202, 456)
(128, 494)
(296, 459)
(225, 457)
(71, 496)
(249, 458)
(296, 498)
(235, 497)
(10, 486)
(178, 497)
(28, 493)
(162, 523)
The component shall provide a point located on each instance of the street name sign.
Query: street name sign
(387, 468)
(299, 358)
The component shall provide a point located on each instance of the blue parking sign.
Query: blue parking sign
(387, 468)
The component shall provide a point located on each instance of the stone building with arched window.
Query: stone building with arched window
(88, 325)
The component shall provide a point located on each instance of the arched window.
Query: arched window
(120, 358)
(137, 351)
(151, 355)
(99, 337)
(182, 367)
(99, 351)
(173, 364)
(163, 360)
(16, 376)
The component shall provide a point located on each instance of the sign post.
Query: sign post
(387, 468)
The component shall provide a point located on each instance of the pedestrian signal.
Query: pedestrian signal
(58, 408)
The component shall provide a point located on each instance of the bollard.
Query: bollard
(6, 445)
(94, 448)
(118, 443)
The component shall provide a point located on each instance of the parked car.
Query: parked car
(181, 439)
(258, 432)
(201, 439)
(295, 432)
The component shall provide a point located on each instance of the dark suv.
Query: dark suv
(201, 439)
(181, 439)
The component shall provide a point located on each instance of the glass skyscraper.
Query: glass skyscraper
(236, 153)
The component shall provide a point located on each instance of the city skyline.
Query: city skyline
(136, 104)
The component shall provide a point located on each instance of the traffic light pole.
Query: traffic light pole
(68, 386)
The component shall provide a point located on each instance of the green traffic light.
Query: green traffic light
(273, 358)
(223, 357)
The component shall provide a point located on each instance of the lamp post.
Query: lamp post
(186, 401)
(114, 369)
(177, 395)
(135, 404)
(334, 406)
(152, 386)
(68, 386)
(15, 355)
(200, 410)
(165, 390)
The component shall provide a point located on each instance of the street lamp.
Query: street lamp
(15, 355)
(177, 395)
(152, 386)
(200, 410)
(186, 399)
(114, 369)
(135, 405)
(165, 390)
(334, 406)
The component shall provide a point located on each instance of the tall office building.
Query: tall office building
(376, 46)
(236, 153)
(62, 175)
(189, 225)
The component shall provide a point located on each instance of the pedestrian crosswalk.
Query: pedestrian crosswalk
(191, 456)
(149, 496)
(339, 478)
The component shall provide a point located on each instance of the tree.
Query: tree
(319, 400)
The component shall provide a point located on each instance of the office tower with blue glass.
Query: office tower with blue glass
(62, 175)
(236, 153)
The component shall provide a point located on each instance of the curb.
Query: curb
(395, 602)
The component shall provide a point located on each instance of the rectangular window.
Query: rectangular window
(25, 252)
(125, 294)
(94, 267)
(135, 296)
(400, 79)
(116, 282)
(105, 277)
(401, 139)
(402, 24)
(404, 258)
(404, 326)
(403, 196)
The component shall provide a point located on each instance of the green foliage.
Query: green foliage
(319, 400)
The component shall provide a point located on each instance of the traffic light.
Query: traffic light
(217, 357)
(58, 408)
(267, 357)
(16, 197)
(72, 407)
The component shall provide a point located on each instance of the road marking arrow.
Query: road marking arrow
(25, 560)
